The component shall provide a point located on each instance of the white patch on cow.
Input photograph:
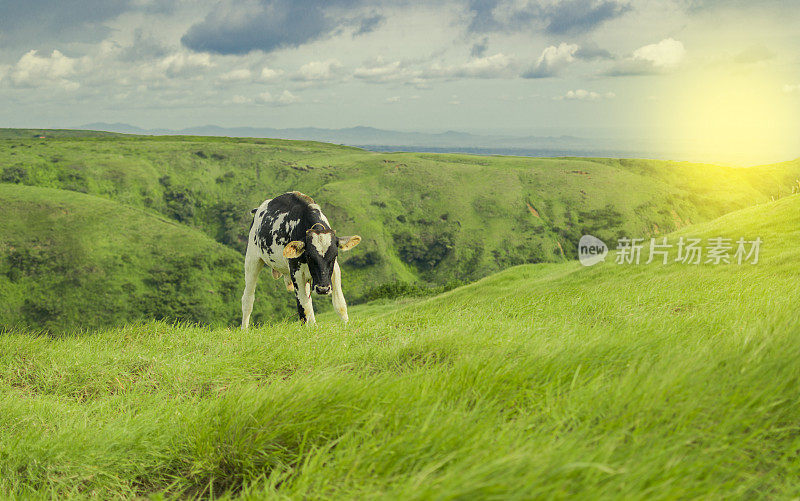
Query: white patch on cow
(303, 279)
(321, 242)
(272, 255)
(306, 273)
(339, 304)
(252, 267)
(274, 258)
(276, 225)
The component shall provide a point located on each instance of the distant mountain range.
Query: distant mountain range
(390, 140)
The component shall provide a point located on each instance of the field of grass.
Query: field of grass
(426, 219)
(75, 261)
(541, 381)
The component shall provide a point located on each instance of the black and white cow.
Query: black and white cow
(291, 235)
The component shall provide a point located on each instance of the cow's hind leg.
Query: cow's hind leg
(252, 267)
(339, 304)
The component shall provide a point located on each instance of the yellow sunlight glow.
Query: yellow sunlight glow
(738, 118)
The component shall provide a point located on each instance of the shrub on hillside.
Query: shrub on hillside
(180, 204)
(525, 251)
(234, 221)
(364, 260)
(424, 250)
(14, 174)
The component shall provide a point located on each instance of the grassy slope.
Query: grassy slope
(551, 380)
(423, 216)
(70, 260)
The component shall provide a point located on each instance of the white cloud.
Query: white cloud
(378, 71)
(585, 95)
(69, 85)
(656, 58)
(665, 54)
(484, 67)
(791, 89)
(553, 60)
(185, 64)
(285, 98)
(241, 100)
(237, 75)
(318, 71)
(33, 70)
(268, 74)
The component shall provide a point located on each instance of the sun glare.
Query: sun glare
(733, 118)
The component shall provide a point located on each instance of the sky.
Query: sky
(719, 77)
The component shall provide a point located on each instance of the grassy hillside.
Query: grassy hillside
(69, 260)
(424, 217)
(543, 381)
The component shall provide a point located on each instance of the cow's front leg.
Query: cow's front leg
(339, 304)
(252, 267)
(302, 293)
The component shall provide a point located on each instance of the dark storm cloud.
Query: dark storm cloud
(369, 24)
(268, 25)
(40, 23)
(566, 17)
(480, 48)
(591, 52)
(144, 47)
(581, 16)
(483, 20)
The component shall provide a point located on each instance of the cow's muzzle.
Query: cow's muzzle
(322, 290)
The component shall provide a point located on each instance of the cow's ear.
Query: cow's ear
(347, 243)
(294, 249)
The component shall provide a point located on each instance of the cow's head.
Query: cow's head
(321, 247)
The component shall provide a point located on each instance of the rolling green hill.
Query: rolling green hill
(70, 261)
(543, 381)
(425, 218)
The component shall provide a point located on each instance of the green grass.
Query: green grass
(75, 261)
(542, 381)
